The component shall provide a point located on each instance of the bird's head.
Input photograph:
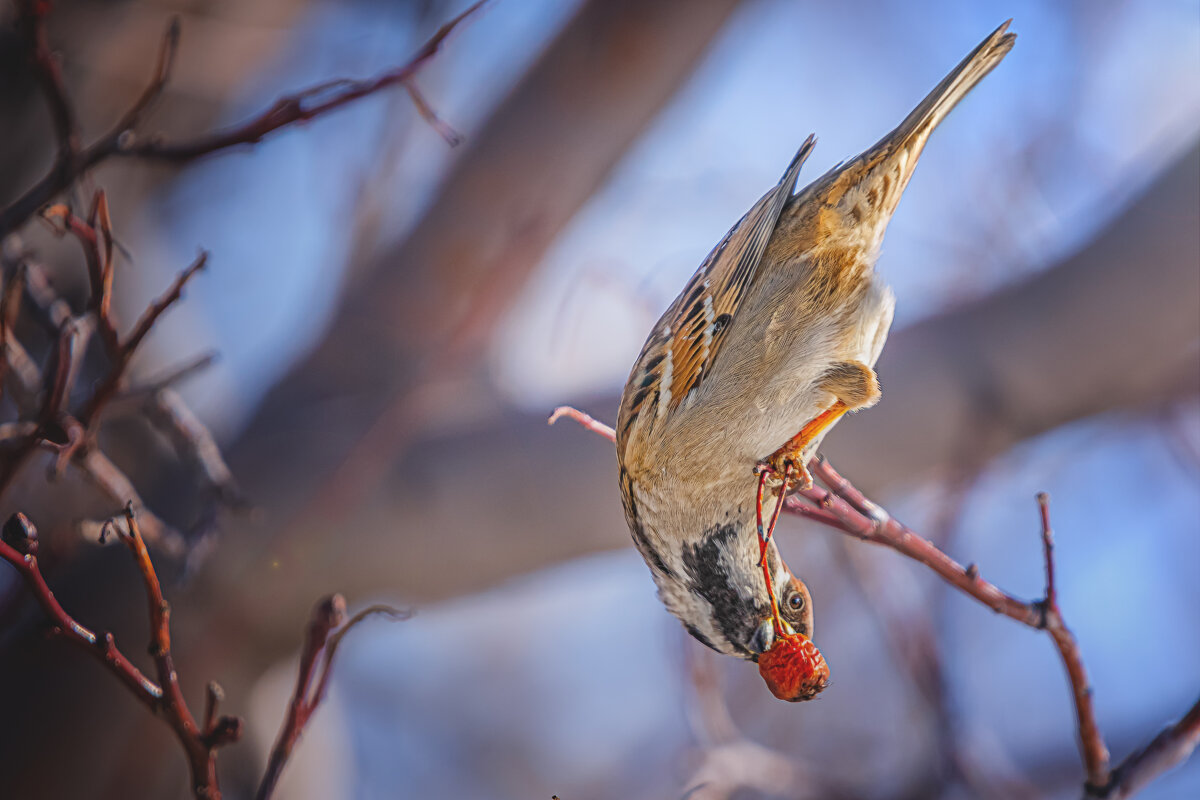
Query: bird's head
(721, 598)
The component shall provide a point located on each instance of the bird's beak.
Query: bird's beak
(764, 636)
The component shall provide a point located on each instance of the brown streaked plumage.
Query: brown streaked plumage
(777, 332)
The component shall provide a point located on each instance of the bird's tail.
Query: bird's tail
(858, 197)
(916, 127)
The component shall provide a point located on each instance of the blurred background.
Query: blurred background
(395, 318)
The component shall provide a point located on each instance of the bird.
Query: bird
(770, 343)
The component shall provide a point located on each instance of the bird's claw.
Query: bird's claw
(781, 465)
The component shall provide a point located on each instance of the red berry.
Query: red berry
(794, 668)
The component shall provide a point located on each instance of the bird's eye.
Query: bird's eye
(796, 602)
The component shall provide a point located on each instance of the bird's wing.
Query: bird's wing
(686, 341)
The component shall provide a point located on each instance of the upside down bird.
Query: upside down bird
(772, 340)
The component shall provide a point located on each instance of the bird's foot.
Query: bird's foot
(787, 468)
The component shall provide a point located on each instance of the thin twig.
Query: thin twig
(1091, 742)
(837, 511)
(116, 486)
(164, 698)
(31, 22)
(299, 107)
(56, 384)
(158, 81)
(448, 134)
(592, 424)
(1166, 751)
(326, 628)
(200, 742)
(112, 383)
(193, 442)
(172, 377)
(19, 548)
(122, 140)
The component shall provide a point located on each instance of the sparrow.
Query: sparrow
(769, 344)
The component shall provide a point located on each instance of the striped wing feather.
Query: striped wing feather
(686, 341)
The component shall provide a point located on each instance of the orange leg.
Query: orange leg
(792, 452)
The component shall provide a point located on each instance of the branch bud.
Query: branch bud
(20, 535)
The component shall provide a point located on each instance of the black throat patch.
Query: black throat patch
(709, 577)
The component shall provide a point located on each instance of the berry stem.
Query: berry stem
(764, 536)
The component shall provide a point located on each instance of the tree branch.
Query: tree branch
(200, 742)
(126, 351)
(165, 698)
(122, 139)
(845, 508)
(20, 548)
(31, 22)
(326, 628)
(1167, 750)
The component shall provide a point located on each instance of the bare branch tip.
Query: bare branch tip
(586, 420)
(330, 611)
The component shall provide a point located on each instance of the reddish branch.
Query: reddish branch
(95, 238)
(325, 630)
(126, 351)
(1168, 750)
(164, 698)
(44, 393)
(40, 400)
(31, 22)
(200, 741)
(69, 435)
(122, 140)
(843, 507)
